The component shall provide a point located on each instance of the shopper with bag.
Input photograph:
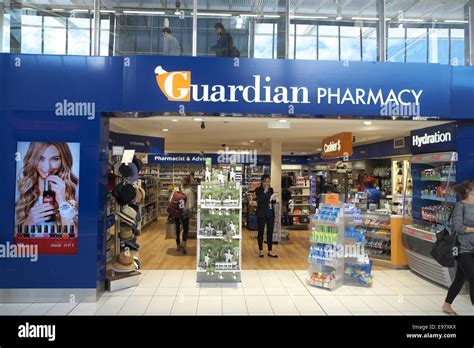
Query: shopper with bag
(180, 207)
(265, 214)
(463, 225)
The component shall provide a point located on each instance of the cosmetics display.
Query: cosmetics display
(219, 223)
(436, 213)
(45, 231)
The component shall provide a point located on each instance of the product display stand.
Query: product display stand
(119, 280)
(337, 256)
(326, 267)
(357, 265)
(219, 226)
(149, 208)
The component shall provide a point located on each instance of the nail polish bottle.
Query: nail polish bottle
(58, 231)
(46, 231)
(27, 231)
(71, 231)
(52, 231)
(19, 231)
(65, 234)
(39, 231)
(33, 231)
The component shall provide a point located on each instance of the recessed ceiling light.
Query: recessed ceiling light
(199, 119)
(338, 18)
(283, 120)
(165, 129)
(252, 141)
(174, 120)
(367, 123)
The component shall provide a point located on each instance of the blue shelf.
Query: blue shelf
(439, 199)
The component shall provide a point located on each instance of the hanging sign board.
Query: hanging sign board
(336, 146)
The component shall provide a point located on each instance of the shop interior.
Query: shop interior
(305, 179)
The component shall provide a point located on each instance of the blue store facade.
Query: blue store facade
(39, 95)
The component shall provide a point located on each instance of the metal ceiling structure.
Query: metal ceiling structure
(428, 10)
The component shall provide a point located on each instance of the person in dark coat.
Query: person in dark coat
(265, 214)
(225, 43)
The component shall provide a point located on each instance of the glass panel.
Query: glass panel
(54, 35)
(417, 45)
(6, 34)
(306, 36)
(369, 44)
(31, 34)
(264, 40)
(328, 42)
(104, 36)
(457, 47)
(350, 43)
(439, 46)
(78, 36)
(396, 44)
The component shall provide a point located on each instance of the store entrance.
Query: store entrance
(304, 176)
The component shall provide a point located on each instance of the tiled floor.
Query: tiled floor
(266, 292)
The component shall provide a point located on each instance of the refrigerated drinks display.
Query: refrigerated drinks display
(434, 176)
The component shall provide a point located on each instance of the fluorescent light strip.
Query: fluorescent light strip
(145, 12)
(455, 21)
(107, 11)
(80, 10)
(214, 14)
(58, 10)
(365, 18)
(308, 17)
(271, 16)
(249, 15)
(410, 20)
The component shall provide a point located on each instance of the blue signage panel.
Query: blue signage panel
(228, 85)
(177, 158)
(137, 142)
(434, 139)
(187, 84)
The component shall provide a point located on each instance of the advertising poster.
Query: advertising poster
(47, 196)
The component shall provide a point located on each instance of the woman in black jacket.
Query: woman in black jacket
(265, 214)
(463, 224)
(225, 43)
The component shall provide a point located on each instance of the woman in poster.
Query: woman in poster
(47, 188)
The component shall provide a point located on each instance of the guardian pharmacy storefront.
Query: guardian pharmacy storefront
(70, 100)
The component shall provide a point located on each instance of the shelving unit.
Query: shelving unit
(150, 183)
(432, 206)
(298, 218)
(219, 226)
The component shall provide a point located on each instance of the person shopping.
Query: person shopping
(265, 214)
(185, 188)
(463, 226)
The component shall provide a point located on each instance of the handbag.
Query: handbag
(445, 248)
(170, 229)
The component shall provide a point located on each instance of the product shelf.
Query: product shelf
(439, 199)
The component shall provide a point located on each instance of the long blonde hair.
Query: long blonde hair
(28, 177)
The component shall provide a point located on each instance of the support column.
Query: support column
(2, 16)
(275, 169)
(470, 38)
(381, 31)
(96, 11)
(194, 43)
